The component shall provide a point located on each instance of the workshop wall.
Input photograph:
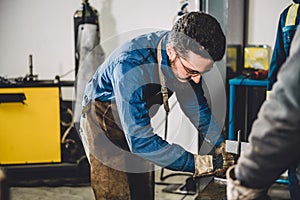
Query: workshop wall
(45, 29)
(263, 20)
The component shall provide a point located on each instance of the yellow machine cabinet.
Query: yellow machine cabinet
(30, 125)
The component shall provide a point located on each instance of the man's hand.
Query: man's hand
(236, 191)
(203, 165)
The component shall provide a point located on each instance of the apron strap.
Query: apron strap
(164, 89)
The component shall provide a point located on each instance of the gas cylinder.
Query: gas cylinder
(89, 54)
(86, 14)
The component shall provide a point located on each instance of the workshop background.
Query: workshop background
(45, 30)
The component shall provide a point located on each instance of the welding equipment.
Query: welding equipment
(38, 141)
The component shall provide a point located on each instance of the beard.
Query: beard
(178, 82)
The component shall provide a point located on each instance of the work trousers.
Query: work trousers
(107, 149)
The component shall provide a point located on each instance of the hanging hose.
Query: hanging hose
(69, 125)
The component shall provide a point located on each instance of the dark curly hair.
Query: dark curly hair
(199, 32)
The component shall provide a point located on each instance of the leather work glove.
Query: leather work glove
(203, 165)
(227, 161)
(236, 191)
(213, 165)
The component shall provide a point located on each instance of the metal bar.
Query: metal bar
(231, 112)
(12, 98)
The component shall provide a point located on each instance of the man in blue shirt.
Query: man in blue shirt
(287, 26)
(119, 102)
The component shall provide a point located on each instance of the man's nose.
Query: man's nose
(196, 78)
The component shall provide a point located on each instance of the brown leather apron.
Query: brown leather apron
(109, 183)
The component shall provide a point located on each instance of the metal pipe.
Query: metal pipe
(30, 66)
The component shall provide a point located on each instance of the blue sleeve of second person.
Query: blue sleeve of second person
(278, 56)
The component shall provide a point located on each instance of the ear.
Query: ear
(171, 52)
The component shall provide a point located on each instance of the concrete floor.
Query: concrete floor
(277, 192)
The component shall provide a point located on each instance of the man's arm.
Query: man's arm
(278, 56)
(135, 119)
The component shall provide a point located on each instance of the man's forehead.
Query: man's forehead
(198, 60)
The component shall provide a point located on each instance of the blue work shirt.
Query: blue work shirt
(129, 77)
(284, 37)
